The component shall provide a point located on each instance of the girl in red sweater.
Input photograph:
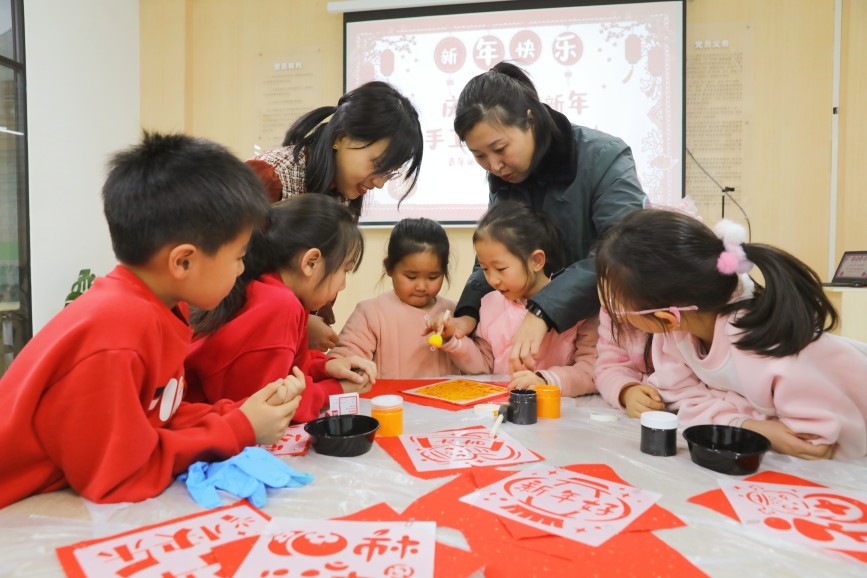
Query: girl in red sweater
(295, 264)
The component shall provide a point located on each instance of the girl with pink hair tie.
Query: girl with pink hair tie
(734, 353)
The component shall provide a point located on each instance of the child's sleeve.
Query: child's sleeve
(809, 401)
(577, 379)
(695, 403)
(248, 373)
(617, 365)
(358, 336)
(473, 356)
(312, 363)
(94, 426)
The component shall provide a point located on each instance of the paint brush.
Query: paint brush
(501, 415)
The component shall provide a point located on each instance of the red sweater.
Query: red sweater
(93, 401)
(260, 345)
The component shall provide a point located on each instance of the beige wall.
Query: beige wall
(852, 207)
(200, 57)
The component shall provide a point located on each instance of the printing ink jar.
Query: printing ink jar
(548, 401)
(659, 433)
(388, 411)
(522, 406)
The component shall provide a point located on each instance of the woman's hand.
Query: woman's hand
(320, 335)
(353, 369)
(785, 441)
(638, 398)
(525, 379)
(526, 343)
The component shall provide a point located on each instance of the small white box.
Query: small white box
(343, 404)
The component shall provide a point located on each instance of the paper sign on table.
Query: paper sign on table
(343, 404)
(458, 391)
(293, 443)
(448, 450)
(821, 517)
(582, 508)
(180, 547)
(300, 547)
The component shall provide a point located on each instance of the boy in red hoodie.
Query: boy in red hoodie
(94, 399)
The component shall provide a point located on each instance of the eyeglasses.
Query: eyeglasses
(380, 173)
(673, 310)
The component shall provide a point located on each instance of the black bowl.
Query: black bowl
(342, 435)
(726, 449)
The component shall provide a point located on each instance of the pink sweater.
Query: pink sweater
(567, 359)
(620, 361)
(818, 391)
(389, 332)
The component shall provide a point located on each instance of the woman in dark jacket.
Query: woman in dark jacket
(583, 179)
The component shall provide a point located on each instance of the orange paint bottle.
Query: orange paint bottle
(547, 401)
(388, 411)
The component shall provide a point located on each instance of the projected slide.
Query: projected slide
(615, 68)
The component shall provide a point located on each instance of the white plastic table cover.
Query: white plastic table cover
(30, 530)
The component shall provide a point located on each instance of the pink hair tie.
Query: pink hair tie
(733, 260)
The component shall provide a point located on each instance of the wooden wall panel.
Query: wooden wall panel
(163, 64)
(787, 82)
(852, 168)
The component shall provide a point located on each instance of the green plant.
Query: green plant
(82, 284)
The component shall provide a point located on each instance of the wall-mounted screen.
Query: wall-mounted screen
(617, 68)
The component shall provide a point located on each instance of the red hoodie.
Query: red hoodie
(94, 401)
(259, 345)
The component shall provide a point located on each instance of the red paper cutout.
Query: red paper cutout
(717, 501)
(395, 449)
(229, 554)
(396, 387)
(635, 552)
(449, 562)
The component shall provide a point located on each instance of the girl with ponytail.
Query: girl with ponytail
(733, 353)
(258, 333)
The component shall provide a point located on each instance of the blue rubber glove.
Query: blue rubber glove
(246, 475)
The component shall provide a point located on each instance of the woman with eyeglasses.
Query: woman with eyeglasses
(372, 136)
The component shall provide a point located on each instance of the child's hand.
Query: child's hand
(270, 421)
(289, 387)
(525, 379)
(353, 369)
(638, 398)
(785, 441)
(443, 324)
(320, 335)
(353, 387)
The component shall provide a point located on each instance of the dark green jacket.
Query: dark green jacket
(586, 184)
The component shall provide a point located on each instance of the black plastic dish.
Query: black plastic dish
(342, 435)
(726, 449)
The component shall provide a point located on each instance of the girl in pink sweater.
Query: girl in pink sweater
(764, 361)
(519, 250)
(388, 329)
